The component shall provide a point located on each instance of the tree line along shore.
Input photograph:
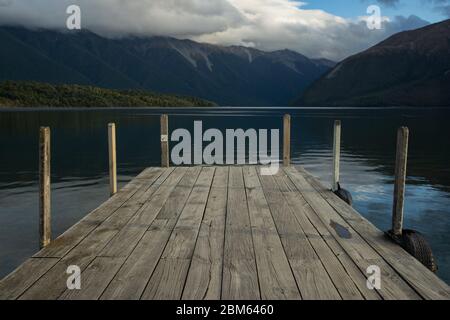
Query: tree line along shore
(35, 94)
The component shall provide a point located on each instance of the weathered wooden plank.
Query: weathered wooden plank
(74, 235)
(53, 283)
(350, 267)
(168, 280)
(94, 279)
(130, 281)
(310, 275)
(240, 278)
(12, 286)
(274, 272)
(309, 272)
(127, 238)
(426, 283)
(345, 285)
(132, 278)
(182, 241)
(394, 287)
(204, 280)
(238, 235)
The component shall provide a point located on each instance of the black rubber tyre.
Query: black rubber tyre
(344, 195)
(416, 245)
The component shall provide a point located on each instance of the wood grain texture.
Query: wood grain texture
(112, 159)
(309, 272)
(204, 280)
(165, 158)
(400, 180)
(127, 238)
(336, 155)
(302, 209)
(343, 282)
(94, 279)
(394, 287)
(74, 235)
(45, 221)
(287, 140)
(13, 285)
(223, 233)
(274, 272)
(53, 283)
(134, 275)
(425, 282)
(240, 278)
(180, 247)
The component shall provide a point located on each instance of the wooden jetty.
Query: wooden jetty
(223, 232)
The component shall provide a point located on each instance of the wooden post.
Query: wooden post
(287, 140)
(112, 158)
(164, 141)
(400, 180)
(336, 155)
(45, 231)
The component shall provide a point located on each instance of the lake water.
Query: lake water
(80, 163)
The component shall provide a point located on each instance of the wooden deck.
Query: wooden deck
(223, 233)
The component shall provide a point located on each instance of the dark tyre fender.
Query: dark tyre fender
(417, 246)
(344, 195)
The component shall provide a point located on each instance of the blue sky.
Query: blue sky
(354, 8)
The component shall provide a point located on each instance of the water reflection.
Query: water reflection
(80, 164)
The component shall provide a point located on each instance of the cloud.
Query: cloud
(264, 24)
(389, 3)
(5, 3)
(441, 6)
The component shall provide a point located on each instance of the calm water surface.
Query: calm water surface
(80, 163)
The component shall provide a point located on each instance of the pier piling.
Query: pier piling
(400, 180)
(44, 188)
(112, 158)
(336, 155)
(287, 140)
(164, 141)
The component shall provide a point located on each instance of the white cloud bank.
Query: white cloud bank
(264, 24)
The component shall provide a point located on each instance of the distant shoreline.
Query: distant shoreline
(215, 108)
(40, 108)
(20, 94)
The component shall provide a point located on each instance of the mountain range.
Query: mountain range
(226, 75)
(411, 68)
